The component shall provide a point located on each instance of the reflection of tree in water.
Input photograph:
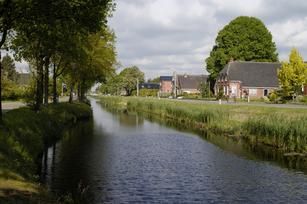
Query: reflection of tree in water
(68, 165)
(130, 119)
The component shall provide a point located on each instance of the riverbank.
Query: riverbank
(281, 128)
(23, 137)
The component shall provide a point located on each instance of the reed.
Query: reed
(279, 127)
(280, 130)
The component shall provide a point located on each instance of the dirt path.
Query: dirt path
(9, 105)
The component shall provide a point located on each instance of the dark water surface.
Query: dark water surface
(122, 158)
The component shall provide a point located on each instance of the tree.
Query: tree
(293, 74)
(245, 39)
(50, 27)
(129, 77)
(205, 90)
(96, 61)
(9, 68)
(11, 12)
(154, 80)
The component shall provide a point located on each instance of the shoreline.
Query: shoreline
(23, 137)
(281, 128)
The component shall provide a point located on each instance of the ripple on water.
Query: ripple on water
(144, 162)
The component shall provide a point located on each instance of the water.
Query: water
(126, 158)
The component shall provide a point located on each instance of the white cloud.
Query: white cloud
(160, 35)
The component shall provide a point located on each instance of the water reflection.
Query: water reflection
(240, 146)
(120, 158)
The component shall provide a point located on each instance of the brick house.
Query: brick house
(166, 84)
(253, 79)
(190, 84)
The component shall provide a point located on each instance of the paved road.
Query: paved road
(9, 105)
(244, 103)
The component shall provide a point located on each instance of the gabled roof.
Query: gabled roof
(191, 81)
(252, 74)
(166, 78)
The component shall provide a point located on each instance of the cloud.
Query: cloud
(162, 35)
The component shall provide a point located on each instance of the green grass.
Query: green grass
(284, 128)
(23, 136)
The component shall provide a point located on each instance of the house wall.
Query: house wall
(189, 91)
(234, 89)
(166, 86)
(257, 92)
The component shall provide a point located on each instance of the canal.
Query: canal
(130, 158)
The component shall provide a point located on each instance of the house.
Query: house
(253, 79)
(149, 86)
(166, 84)
(190, 84)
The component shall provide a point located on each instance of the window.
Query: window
(265, 92)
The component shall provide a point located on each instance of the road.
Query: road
(10, 105)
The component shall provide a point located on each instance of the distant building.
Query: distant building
(166, 84)
(149, 86)
(254, 79)
(190, 84)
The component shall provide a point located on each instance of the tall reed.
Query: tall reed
(280, 127)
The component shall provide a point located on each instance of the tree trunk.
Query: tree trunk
(39, 85)
(0, 88)
(82, 91)
(71, 93)
(79, 91)
(46, 81)
(3, 38)
(54, 85)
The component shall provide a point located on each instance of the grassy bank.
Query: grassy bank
(23, 136)
(278, 127)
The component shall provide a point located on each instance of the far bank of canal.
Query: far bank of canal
(125, 157)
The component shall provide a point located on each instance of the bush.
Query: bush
(302, 99)
(146, 92)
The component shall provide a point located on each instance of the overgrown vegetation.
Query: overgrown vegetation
(23, 137)
(284, 128)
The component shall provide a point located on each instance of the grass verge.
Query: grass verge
(23, 136)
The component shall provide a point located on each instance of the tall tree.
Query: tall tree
(244, 38)
(9, 68)
(129, 77)
(293, 74)
(11, 12)
(99, 60)
(46, 29)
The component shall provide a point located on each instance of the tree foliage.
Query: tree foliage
(293, 74)
(59, 32)
(9, 69)
(245, 39)
(129, 77)
(154, 80)
(126, 81)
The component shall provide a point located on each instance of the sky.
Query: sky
(163, 36)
